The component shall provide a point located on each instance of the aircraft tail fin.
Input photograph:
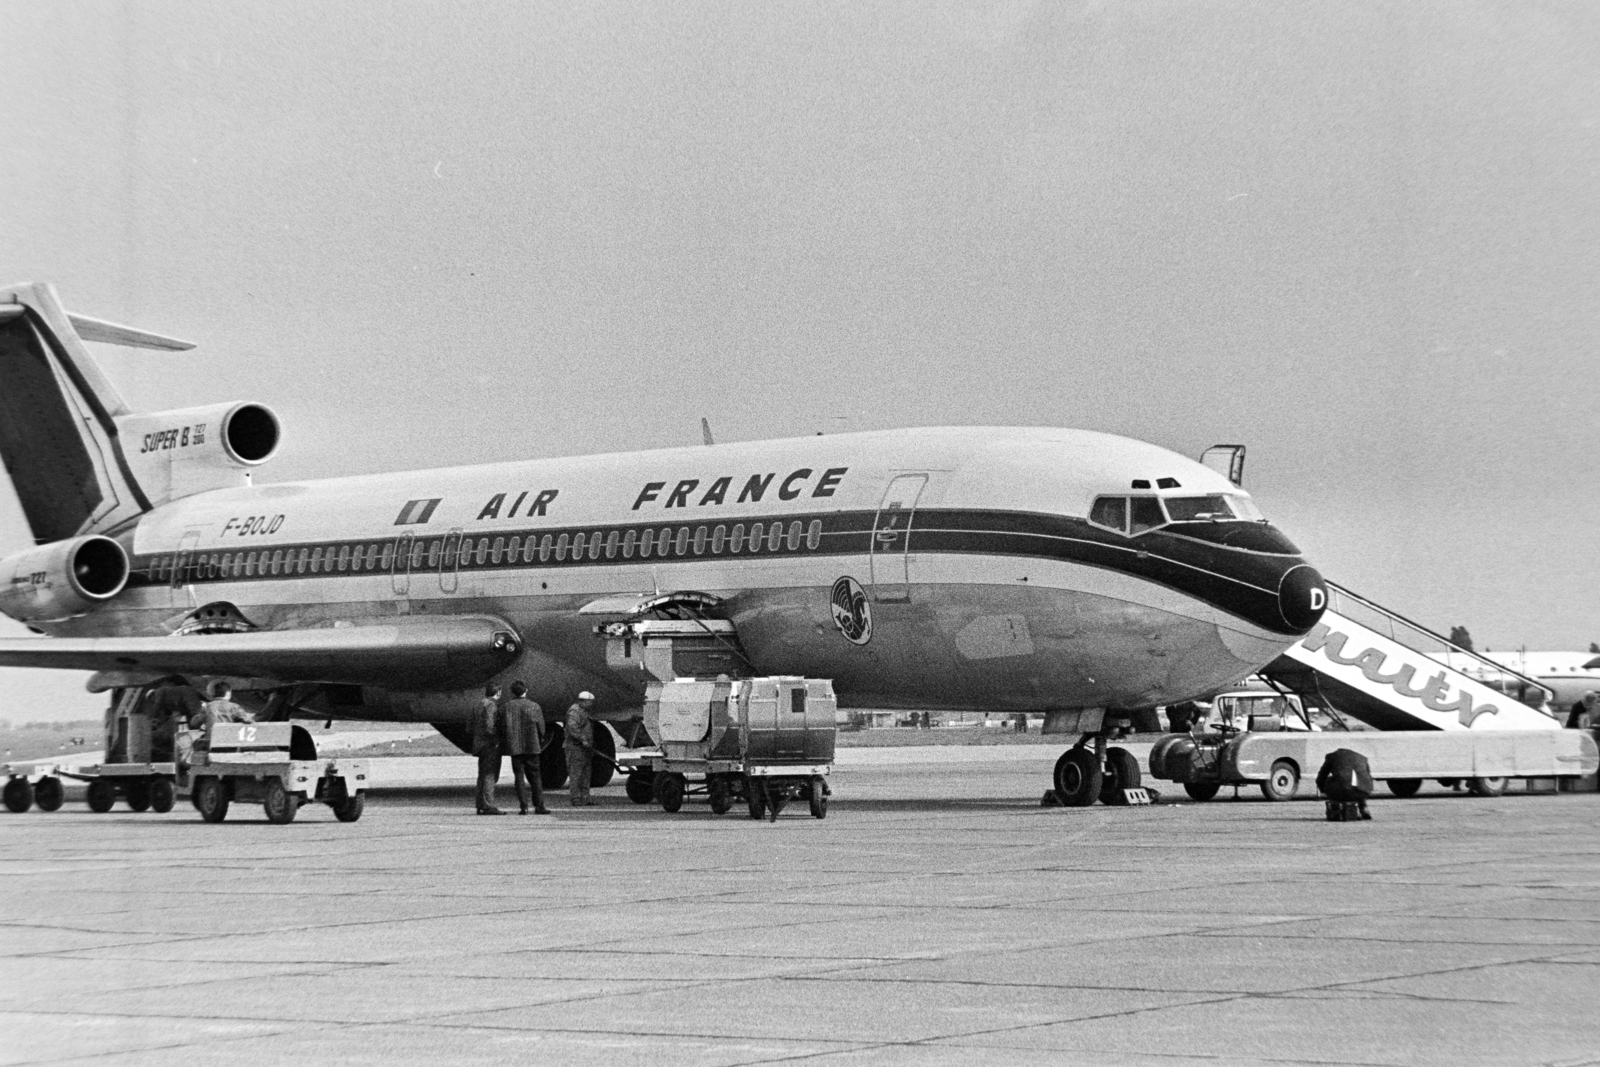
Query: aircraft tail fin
(58, 434)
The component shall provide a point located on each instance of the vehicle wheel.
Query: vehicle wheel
(211, 798)
(1282, 781)
(163, 795)
(1404, 787)
(720, 795)
(1078, 778)
(49, 794)
(1122, 772)
(349, 809)
(553, 759)
(641, 786)
(1487, 787)
(279, 803)
(755, 793)
(18, 795)
(819, 799)
(1201, 790)
(102, 795)
(672, 789)
(137, 794)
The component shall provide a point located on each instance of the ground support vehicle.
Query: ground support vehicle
(1485, 760)
(763, 741)
(28, 784)
(275, 764)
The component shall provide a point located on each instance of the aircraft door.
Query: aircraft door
(401, 574)
(449, 565)
(891, 536)
(182, 593)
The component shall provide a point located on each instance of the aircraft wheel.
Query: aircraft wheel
(1122, 772)
(162, 796)
(720, 795)
(211, 798)
(49, 794)
(18, 795)
(1078, 778)
(601, 766)
(350, 808)
(1201, 790)
(819, 799)
(756, 794)
(279, 804)
(1282, 781)
(553, 760)
(1487, 787)
(641, 786)
(672, 790)
(137, 794)
(102, 795)
(1404, 787)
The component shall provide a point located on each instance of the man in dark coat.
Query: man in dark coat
(486, 746)
(524, 741)
(1346, 780)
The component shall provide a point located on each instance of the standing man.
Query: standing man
(486, 746)
(524, 742)
(579, 743)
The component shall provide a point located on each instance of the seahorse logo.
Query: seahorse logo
(851, 614)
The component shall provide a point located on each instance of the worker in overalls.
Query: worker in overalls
(524, 741)
(486, 742)
(579, 742)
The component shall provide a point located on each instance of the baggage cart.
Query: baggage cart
(763, 741)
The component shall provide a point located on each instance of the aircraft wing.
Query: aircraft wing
(422, 652)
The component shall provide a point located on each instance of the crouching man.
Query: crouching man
(1346, 780)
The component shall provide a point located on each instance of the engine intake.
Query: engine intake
(192, 450)
(63, 579)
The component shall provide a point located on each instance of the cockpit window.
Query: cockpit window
(1110, 512)
(1147, 514)
(1213, 508)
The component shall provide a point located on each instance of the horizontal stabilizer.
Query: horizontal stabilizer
(432, 652)
(112, 333)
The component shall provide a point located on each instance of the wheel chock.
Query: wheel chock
(1137, 797)
(1049, 800)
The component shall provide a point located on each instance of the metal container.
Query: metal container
(787, 719)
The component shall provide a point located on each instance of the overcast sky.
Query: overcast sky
(1362, 239)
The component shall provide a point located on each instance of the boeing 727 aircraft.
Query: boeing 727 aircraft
(1006, 569)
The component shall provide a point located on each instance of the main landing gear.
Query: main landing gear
(1094, 770)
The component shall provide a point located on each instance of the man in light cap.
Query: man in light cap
(579, 742)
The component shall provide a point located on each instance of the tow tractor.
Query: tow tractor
(274, 763)
(765, 741)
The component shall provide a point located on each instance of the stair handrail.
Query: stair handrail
(1394, 616)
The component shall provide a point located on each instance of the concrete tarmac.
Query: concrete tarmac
(937, 916)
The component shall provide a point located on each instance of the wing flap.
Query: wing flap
(425, 652)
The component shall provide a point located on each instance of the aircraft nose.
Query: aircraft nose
(1302, 597)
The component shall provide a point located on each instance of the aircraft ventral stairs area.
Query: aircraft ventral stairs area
(1367, 662)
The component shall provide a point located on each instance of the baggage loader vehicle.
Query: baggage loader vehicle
(1486, 760)
(275, 764)
(763, 741)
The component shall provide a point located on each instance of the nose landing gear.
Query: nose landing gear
(1094, 770)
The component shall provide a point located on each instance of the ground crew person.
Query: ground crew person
(579, 742)
(524, 741)
(221, 706)
(1346, 780)
(486, 746)
(1582, 716)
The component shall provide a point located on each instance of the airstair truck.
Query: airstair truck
(1431, 719)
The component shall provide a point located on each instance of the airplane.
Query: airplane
(1568, 675)
(1010, 569)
